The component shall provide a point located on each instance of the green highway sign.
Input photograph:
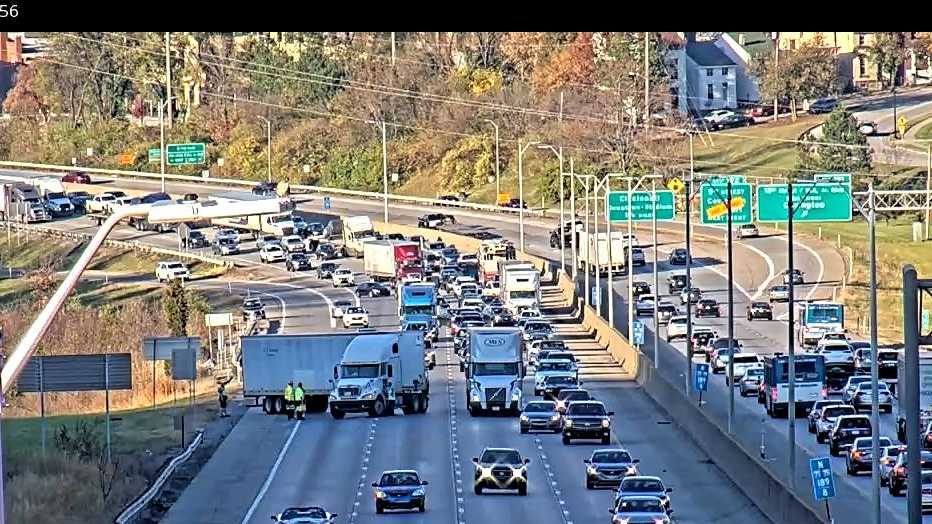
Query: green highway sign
(155, 155)
(181, 154)
(838, 178)
(824, 202)
(642, 206)
(713, 208)
(723, 179)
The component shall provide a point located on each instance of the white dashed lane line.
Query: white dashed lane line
(553, 482)
(460, 508)
(357, 500)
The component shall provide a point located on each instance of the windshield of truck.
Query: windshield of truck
(416, 326)
(52, 196)
(824, 314)
(887, 356)
(522, 294)
(488, 369)
(418, 310)
(279, 219)
(360, 371)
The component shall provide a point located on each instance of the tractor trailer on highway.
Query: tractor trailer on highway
(494, 371)
(356, 231)
(20, 202)
(925, 395)
(393, 261)
(279, 224)
(595, 253)
(379, 372)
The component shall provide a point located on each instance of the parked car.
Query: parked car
(714, 117)
(757, 310)
(823, 105)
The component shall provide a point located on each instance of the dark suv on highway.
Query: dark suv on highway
(587, 419)
(846, 429)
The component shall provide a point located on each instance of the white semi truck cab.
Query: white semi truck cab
(495, 370)
(819, 318)
(379, 372)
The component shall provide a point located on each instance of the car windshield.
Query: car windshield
(360, 371)
(495, 368)
(611, 457)
(585, 408)
(314, 513)
(539, 407)
(760, 304)
(640, 506)
(252, 304)
(641, 485)
(779, 289)
(227, 242)
(745, 359)
(175, 265)
(401, 478)
(500, 456)
(555, 366)
(328, 266)
(708, 302)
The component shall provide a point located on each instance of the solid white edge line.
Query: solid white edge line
(271, 476)
(770, 269)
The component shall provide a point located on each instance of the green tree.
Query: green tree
(888, 52)
(849, 156)
(807, 73)
(303, 76)
(467, 165)
(176, 307)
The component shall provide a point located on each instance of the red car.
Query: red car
(76, 177)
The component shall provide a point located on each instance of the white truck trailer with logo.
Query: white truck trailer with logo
(270, 361)
(594, 250)
(379, 372)
(356, 231)
(494, 371)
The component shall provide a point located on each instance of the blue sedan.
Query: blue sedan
(400, 489)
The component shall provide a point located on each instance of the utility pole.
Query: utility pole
(598, 259)
(608, 248)
(689, 263)
(393, 49)
(588, 266)
(573, 217)
(630, 263)
(653, 198)
(647, 85)
(521, 150)
(776, 62)
(168, 76)
(559, 153)
(875, 370)
(268, 148)
(385, 168)
(731, 315)
(162, 142)
(791, 342)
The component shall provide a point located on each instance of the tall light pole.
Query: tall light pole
(573, 215)
(559, 153)
(381, 125)
(268, 147)
(521, 150)
(168, 74)
(162, 141)
(498, 182)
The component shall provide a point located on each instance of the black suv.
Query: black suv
(676, 283)
(587, 420)
(677, 257)
(195, 239)
(640, 288)
(846, 429)
(708, 307)
(500, 468)
(760, 310)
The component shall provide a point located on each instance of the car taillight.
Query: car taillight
(773, 394)
(856, 455)
(901, 471)
(824, 392)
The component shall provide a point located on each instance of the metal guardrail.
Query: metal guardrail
(134, 245)
(249, 183)
(132, 511)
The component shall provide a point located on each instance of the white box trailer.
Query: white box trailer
(521, 289)
(270, 361)
(278, 224)
(594, 249)
(356, 231)
(925, 394)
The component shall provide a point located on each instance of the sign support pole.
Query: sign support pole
(107, 402)
(653, 188)
(598, 263)
(611, 257)
(588, 267)
(791, 343)
(731, 317)
(689, 315)
(573, 217)
(42, 400)
(875, 370)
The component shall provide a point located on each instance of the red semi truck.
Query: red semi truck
(393, 260)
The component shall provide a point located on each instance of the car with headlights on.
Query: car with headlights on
(565, 397)
(587, 419)
(608, 467)
(703, 337)
(540, 415)
(355, 316)
(757, 310)
(304, 515)
(400, 489)
(639, 510)
(500, 468)
(690, 295)
(825, 419)
(645, 486)
(553, 385)
(858, 458)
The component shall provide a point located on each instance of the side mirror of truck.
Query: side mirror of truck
(375, 484)
(424, 483)
(475, 460)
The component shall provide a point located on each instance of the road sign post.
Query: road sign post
(642, 206)
(637, 333)
(327, 203)
(186, 154)
(823, 481)
(701, 379)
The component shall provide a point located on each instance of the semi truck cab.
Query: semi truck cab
(495, 371)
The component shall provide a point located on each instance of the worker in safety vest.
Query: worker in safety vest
(298, 398)
(289, 399)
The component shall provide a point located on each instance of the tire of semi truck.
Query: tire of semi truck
(378, 407)
(268, 406)
(279, 405)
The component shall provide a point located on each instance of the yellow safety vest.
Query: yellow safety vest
(289, 393)
(298, 395)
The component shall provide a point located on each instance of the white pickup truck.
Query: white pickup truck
(165, 271)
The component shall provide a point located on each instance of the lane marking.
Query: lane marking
(271, 476)
(770, 269)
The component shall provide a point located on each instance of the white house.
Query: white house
(711, 77)
(745, 83)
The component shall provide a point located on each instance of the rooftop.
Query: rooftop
(706, 54)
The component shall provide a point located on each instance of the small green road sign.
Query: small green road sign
(824, 202)
(186, 154)
(155, 155)
(715, 211)
(723, 179)
(641, 206)
(838, 178)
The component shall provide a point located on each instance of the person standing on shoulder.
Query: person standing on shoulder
(289, 395)
(299, 401)
(222, 397)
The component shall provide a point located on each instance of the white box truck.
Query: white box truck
(379, 372)
(270, 361)
(594, 250)
(521, 289)
(356, 231)
(53, 193)
(925, 394)
(20, 202)
(494, 370)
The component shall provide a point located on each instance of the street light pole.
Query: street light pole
(875, 370)
(268, 147)
(498, 183)
(573, 215)
(521, 150)
(731, 317)
(162, 142)
(384, 174)
(629, 246)
(559, 153)
(598, 259)
(653, 197)
(689, 263)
